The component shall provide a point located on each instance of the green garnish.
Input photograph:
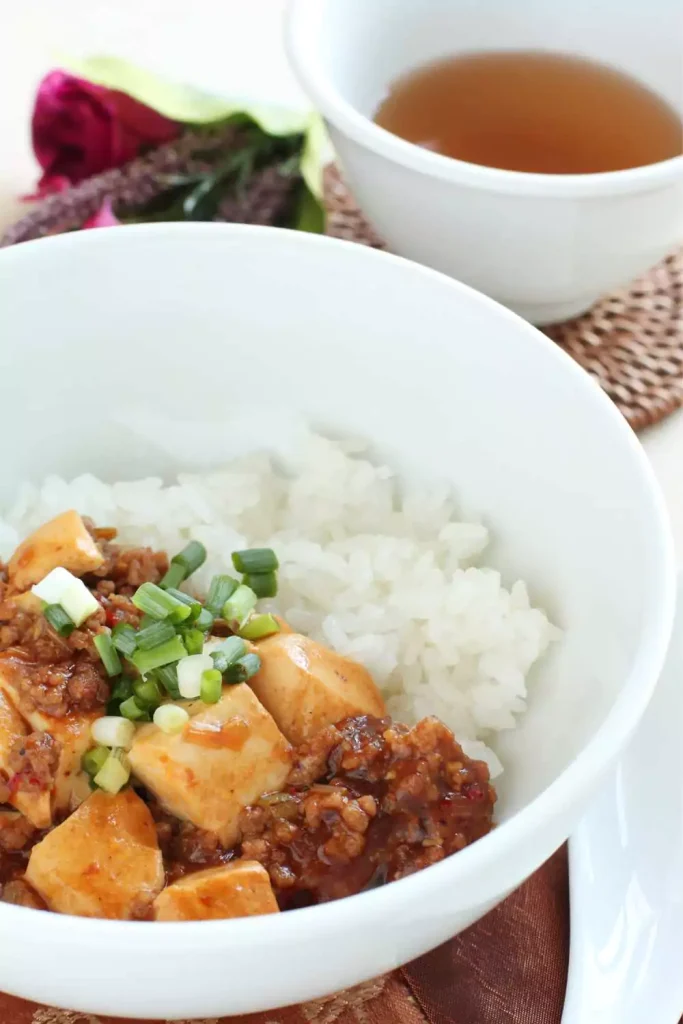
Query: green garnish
(184, 564)
(211, 686)
(133, 711)
(204, 620)
(123, 638)
(159, 604)
(231, 650)
(243, 669)
(58, 619)
(107, 652)
(167, 676)
(173, 577)
(193, 640)
(147, 693)
(255, 560)
(221, 588)
(164, 654)
(237, 608)
(151, 636)
(92, 760)
(264, 584)
(122, 689)
(192, 602)
(259, 626)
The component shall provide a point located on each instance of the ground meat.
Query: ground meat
(391, 801)
(128, 568)
(22, 895)
(32, 762)
(15, 831)
(185, 847)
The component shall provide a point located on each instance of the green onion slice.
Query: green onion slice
(255, 560)
(147, 693)
(259, 626)
(123, 638)
(220, 589)
(132, 710)
(231, 650)
(211, 686)
(193, 640)
(243, 669)
(264, 584)
(164, 654)
(204, 620)
(167, 676)
(107, 652)
(92, 760)
(193, 604)
(159, 604)
(122, 689)
(173, 577)
(151, 636)
(191, 557)
(238, 607)
(58, 619)
(114, 773)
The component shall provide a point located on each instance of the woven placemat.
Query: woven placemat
(631, 342)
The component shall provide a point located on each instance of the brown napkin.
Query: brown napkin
(509, 968)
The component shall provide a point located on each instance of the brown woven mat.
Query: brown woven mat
(631, 342)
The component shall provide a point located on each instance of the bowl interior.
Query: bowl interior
(360, 48)
(152, 349)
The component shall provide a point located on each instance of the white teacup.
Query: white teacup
(547, 246)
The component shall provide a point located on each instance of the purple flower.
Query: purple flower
(79, 129)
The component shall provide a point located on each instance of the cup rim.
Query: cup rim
(301, 22)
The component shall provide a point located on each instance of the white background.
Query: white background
(232, 47)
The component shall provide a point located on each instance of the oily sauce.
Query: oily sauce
(532, 111)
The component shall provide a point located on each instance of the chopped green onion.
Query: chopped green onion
(243, 669)
(92, 760)
(168, 677)
(211, 686)
(78, 602)
(259, 626)
(204, 620)
(191, 557)
(123, 638)
(107, 652)
(113, 731)
(146, 621)
(173, 578)
(164, 654)
(255, 560)
(114, 773)
(193, 640)
(58, 619)
(132, 710)
(264, 584)
(232, 648)
(52, 586)
(237, 608)
(147, 695)
(221, 588)
(122, 689)
(152, 636)
(193, 604)
(158, 603)
(190, 671)
(171, 718)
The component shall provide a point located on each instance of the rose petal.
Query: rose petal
(104, 218)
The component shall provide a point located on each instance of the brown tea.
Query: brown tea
(532, 111)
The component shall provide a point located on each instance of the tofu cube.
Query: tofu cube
(306, 686)
(103, 861)
(63, 541)
(240, 889)
(226, 757)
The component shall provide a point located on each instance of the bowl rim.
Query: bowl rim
(303, 18)
(490, 852)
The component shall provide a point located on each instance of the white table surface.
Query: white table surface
(231, 47)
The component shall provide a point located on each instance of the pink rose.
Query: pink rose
(79, 129)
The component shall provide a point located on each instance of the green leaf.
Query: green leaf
(309, 214)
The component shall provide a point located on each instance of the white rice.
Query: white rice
(381, 573)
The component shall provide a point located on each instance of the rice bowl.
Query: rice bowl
(593, 546)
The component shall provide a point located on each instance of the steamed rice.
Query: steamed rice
(380, 574)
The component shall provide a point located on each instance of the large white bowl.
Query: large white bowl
(139, 349)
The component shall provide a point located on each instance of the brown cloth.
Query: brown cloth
(509, 968)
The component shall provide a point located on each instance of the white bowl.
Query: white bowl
(121, 348)
(547, 245)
